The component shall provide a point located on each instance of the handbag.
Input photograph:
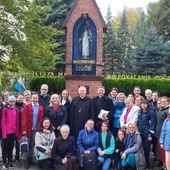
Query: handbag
(41, 155)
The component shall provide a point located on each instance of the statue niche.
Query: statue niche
(85, 42)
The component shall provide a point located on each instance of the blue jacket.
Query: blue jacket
(165, 137)
(88, 140)
(146, 122)
(119, 107)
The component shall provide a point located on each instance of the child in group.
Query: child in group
(10, 130)
(119, 148)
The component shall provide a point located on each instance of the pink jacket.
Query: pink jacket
(10, 121)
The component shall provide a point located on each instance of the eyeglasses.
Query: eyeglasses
(131, 127)
(44, 89)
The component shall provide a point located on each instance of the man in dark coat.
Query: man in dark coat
(102, 102)
(81, 110)
(44, 98)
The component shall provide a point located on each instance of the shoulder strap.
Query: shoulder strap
(42, 134)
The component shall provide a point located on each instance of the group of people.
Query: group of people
(86, 133)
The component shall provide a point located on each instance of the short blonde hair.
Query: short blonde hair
(129, 99)
(121, 94)
(57, 96)
(135, 127)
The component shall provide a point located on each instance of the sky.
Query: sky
(118, 5)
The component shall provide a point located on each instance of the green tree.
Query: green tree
(124, 41)
(31, 50)
(141, 24)
(10, 30)
(150, 55)
(55, 18)
(164, 19)
(111, 47)
(158, 16)
(167, 47)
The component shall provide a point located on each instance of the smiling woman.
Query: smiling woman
(133, 155)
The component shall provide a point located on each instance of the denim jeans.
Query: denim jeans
(105, 162)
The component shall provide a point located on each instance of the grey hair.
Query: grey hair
(148, 90)
(27, 91)
(65, 126)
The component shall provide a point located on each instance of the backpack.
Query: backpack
(24, 144)
(90, 161)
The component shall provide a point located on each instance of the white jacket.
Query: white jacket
(132, 116)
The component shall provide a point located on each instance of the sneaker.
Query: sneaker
(163, 168)
(11, 166)
(5, 166)
(16, 160)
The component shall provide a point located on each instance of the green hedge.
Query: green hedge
(126, 85)
(55, 84)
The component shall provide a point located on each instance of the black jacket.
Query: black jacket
(58, 117)
(44, 101)
(63, 148)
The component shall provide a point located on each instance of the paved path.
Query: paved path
(20, 166)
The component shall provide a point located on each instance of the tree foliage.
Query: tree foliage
(111, 47)
(159, 17)
(55, 18)
(31, 44)
(150, 55)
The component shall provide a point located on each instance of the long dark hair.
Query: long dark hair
(40, 127)
(104, 123)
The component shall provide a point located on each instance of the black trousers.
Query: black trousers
(7, 147)
(17, 155)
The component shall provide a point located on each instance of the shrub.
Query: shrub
(55, 84)
(126, 85)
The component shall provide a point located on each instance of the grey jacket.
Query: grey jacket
(137, 148)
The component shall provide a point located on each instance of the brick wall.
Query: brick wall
(73, 82)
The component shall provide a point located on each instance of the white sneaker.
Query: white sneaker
(5, 166)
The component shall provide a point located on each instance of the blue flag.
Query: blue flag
(19, 86)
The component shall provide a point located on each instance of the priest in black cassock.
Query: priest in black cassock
(102, 102)
(81, 110)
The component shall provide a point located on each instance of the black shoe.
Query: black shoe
(31, 162)
(26, 165)
(11, 166)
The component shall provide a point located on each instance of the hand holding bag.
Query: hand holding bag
(43, 155)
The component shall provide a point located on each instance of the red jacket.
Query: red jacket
(27, 118)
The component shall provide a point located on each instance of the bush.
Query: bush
(126, 85)
(55, 84)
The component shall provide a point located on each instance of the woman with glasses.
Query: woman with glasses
(119, 106)
(133, 155)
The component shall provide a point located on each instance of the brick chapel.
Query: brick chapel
(84, 27)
